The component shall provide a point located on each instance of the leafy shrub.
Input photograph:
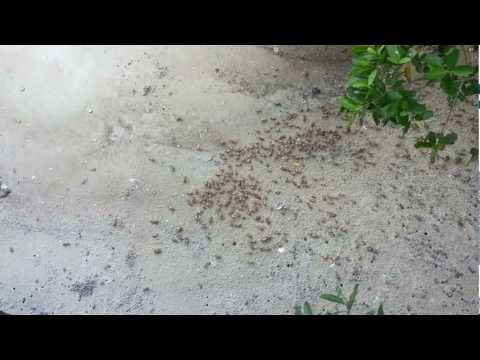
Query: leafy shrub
(382, 84)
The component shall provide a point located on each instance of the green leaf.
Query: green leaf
(359, 70)
(471, 87)
(405, 122)
(428, 141)
(371, 77)
(463, 70)
(451, 57)
(332, 298)
(434, 60)
(349, 104)
(436, 142)
(450, 86)
(394, 96)
(404, 60)
(307, 309)
(359, 83)
(448, 139)
(351, 299)
(363, 62)
(298, 310)
(371, 312)
(380, 310)
(393, 109)
(425, 115)
(395, 53)
(436, 74)
(408, 94)
(415, 107)
(357, 96)
(359, 49)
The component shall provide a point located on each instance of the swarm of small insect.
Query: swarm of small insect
(303, 144)
(231, 195)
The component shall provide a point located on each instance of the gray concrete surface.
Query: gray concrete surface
(323, 53)
(106, 149)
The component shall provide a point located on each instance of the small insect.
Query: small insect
(267, 239)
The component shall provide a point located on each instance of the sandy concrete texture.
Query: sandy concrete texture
(221, 180)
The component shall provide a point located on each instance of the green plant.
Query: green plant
(436, 142)
(340, 299)
(384, 79)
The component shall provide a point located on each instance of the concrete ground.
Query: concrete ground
(219, 180)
